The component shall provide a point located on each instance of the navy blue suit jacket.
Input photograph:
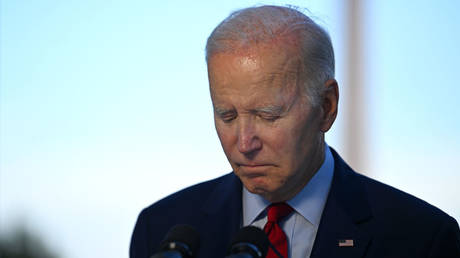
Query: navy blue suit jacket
(382, 221)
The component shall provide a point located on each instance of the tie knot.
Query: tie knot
(278, 211)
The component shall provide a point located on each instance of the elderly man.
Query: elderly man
(271, 77)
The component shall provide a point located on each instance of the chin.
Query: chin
(255, 186)
(261, 188)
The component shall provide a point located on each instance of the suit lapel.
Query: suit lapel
(340, 233)
(221, 216)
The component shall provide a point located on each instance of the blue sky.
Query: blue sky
(104, 108)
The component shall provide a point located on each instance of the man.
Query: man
(271, 77)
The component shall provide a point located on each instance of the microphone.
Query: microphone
(181, 241)
(249, 242)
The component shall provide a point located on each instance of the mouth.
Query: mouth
(254, 170)
(252, 166)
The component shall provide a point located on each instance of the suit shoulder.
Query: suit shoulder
(401, 216)
(393, 202)
(182, 207)
(188, 198)
(383, 198)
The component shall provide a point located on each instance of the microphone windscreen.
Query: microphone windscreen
(184, 234)
(252, 235)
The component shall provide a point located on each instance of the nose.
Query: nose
(248, 140)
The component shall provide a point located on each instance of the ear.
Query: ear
(329, 104)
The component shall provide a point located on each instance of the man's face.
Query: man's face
(270, 134)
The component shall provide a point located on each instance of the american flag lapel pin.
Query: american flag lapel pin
(346, 242)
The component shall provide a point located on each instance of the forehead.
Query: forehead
(257, 65)
(260, 77)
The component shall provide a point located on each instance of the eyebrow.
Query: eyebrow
(269, 109)
(222, 111)
(273, 110)
(277, 110)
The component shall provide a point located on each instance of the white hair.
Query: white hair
(251, 26)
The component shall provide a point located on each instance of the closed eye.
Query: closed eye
(227, 118)
(269, 117)
(226, 115)
(269, 113)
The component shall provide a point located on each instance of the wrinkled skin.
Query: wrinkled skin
(271, 135)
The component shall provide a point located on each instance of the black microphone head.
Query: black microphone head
(250, 240)
(182, 238)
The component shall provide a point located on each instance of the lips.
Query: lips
(253, 170)
(252, 166)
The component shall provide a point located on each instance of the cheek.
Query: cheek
(290, 142)
(281, 142)
(277, 139)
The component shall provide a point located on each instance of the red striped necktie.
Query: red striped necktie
(276, 236)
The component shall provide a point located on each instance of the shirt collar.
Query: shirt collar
(309, 202)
